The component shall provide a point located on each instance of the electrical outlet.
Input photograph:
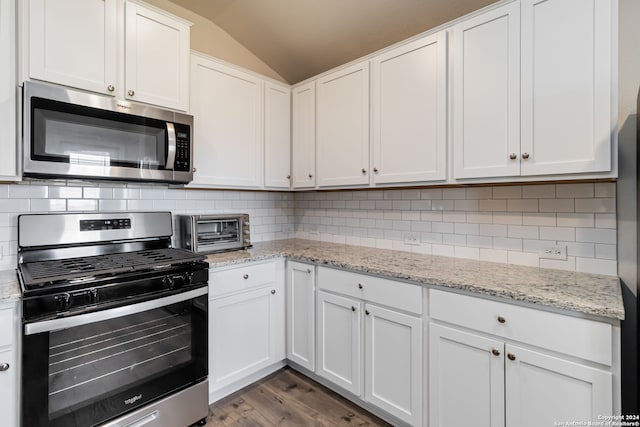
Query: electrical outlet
(410, 238)
(554, 252)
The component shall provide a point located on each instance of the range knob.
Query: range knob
(188, 278)
(168, 282)
(63, 301)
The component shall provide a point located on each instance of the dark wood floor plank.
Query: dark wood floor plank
(288, 399)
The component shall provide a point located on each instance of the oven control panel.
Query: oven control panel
(105, 224)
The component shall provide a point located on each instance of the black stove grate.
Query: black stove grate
(42, 272)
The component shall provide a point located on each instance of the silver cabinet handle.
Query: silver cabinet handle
(353, 308)
(310, 176)
(288, 176)
(273, 291)
(246, 276)
(111, 88)
(501, 319)
(359, 285)
(513, 156)
(308, 271)
(364, 170)
(495, 352)
(195, 170)
(367, 312)
(131, 92)
(511, 356)
(525, 156)
(375, 170)
(4, 367)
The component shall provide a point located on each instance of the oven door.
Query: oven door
(87, 369)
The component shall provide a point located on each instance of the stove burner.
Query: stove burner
(40, 273)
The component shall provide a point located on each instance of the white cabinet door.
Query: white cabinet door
(409, 94)
(566, 86)
(393, 363)
(227, 108)
(466, 379)
(277, 136)
(246, 334)
(73, 42)
(156, 58)
(339, 340)
(9, 388)
(343, 127)
(304, 136)
(8, 141)
(542, 389)
(301, 330)
(486, 94)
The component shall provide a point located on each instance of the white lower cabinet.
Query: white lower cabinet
(246, 325)
(300, 304)
(372, 351)
(9, 373)
(501, 383)
(339, 340)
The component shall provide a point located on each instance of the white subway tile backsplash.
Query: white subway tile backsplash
(464, 228)
(546, 191)
(533, 218)
(454, 193)
(556, 205)
(60, 192)
(509, 244)
(523, 258)
(493, 205)
(605, 189)
(421, 205)
(597, 266)
(82, 205)
(47, 205)
(479, 193)
(442, 205)
(596, 235)
(606, 220)
(514, 218)
(522, 231)
(495, 230)
(574, 191)
(522, 205)
(431, 194)
(442, 227)
(596, 205)
(606, 251)
(454, 239)
(465, 205)
(480, 217)
(507, 192)
(479, 241)
(575, 220)
(580, 249)
(466, 252)
(568, 264)
(558, 233)
(494, 255)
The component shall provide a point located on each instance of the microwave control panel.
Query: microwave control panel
(183, 148)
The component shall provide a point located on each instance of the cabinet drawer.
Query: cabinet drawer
(584, 338)
(400, 295)
(223, 282)
(7, 327)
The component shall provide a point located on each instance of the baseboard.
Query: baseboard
(216, 395)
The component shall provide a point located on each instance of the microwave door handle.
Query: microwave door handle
(171, 146)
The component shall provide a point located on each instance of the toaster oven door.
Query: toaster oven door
(218, 234)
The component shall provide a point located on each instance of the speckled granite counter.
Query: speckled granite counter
(9, 286)
(581, 292)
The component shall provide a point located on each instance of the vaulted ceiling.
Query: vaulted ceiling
(301, 38)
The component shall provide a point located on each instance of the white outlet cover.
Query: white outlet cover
(554, 252)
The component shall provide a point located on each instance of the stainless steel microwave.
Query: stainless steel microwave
(74, 134)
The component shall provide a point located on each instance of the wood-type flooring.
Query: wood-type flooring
(287, 398)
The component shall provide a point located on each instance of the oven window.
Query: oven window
(87, 136)
(97, 371)
(218, 231)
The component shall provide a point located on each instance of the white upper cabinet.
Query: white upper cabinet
(156, 58)
(75, 43)
(343, 126)
(486, 94)
(409, 97)
(304, 135)
(227, 105)
(566, 86)
(277, 136)
(8, 141)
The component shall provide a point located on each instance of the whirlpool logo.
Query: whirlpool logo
(133, 399)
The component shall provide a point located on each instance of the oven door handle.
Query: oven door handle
(171, 146)
(83, 319)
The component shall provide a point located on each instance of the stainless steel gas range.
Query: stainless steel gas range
(114, 322)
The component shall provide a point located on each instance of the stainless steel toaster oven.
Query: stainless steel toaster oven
(213, 233)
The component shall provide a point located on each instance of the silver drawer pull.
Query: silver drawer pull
(4, 367)
(501, 319)
(246, 276)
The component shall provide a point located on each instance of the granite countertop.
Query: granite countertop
(9, 286)
(592, 294)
